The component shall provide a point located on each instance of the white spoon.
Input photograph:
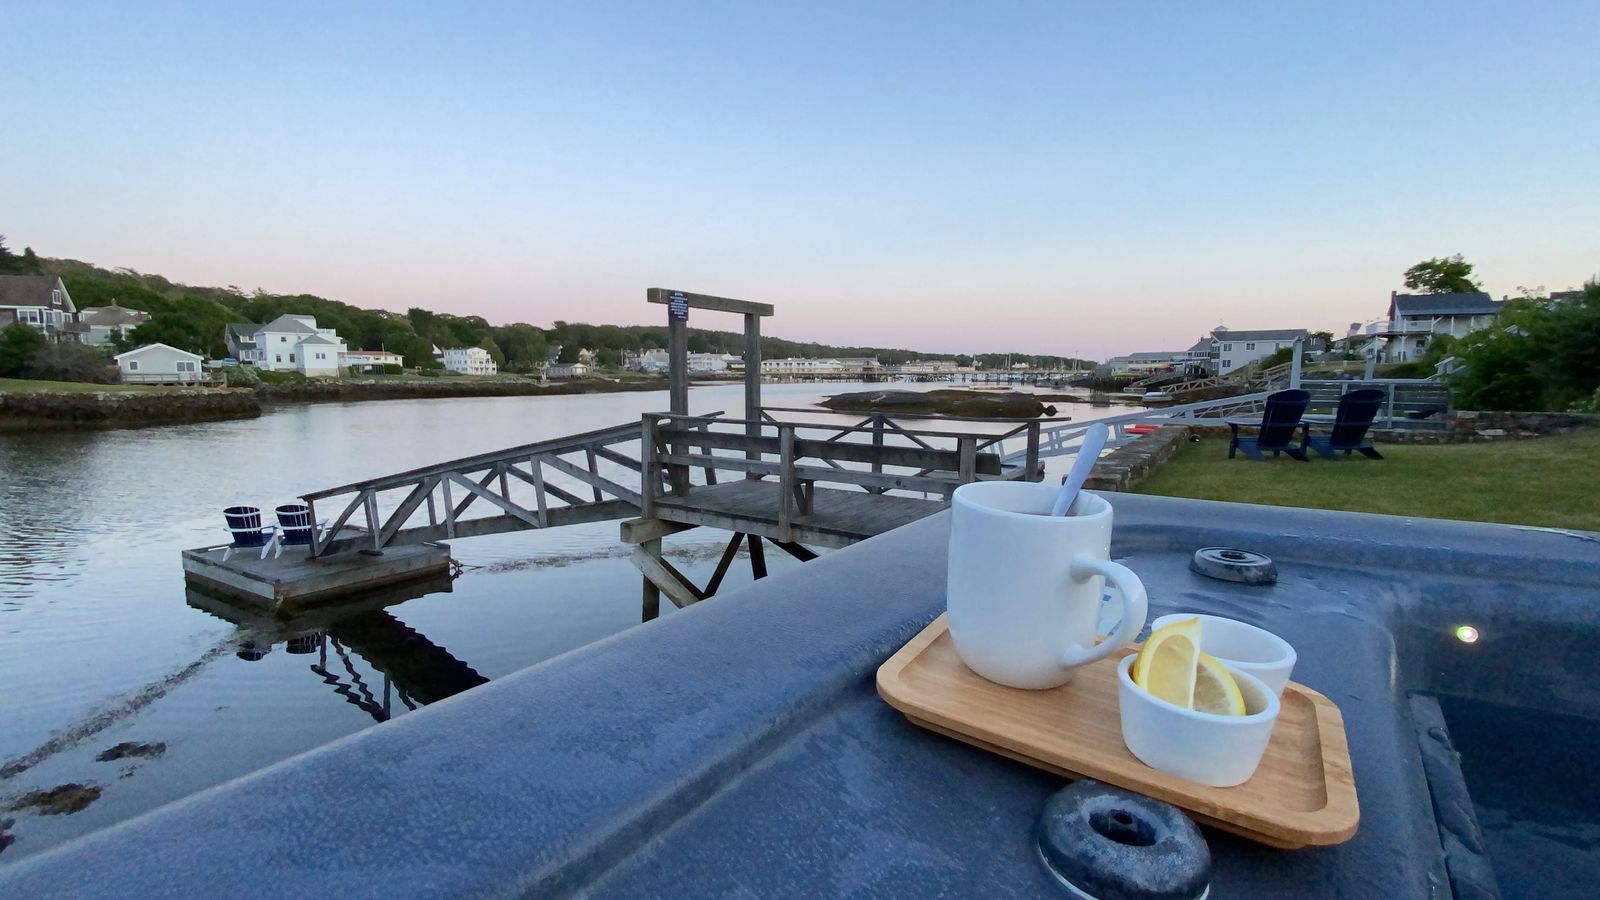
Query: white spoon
(1094, 440)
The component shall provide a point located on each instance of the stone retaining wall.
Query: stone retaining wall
(41, 410)
(1128, 465)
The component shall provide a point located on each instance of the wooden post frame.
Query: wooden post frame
(678, 351)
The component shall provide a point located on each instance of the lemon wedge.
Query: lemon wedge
(1168, 662)
(1215, 690)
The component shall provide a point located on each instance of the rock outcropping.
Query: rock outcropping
(123, 409)
(947, 402)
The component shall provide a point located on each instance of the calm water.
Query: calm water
(100, 644)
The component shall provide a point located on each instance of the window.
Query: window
(291, 357)
(282, 339)
(133, 365)
(55, 298)
(322, 356)
(1227, 347)
(30, 316)
(278, 357)
(1227, 363)
(1249, 346)
(184, 366)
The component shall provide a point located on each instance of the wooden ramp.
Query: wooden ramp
(838, 517)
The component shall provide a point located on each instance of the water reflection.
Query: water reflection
(410, 668)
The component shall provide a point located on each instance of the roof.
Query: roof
(32, 290)
(1270, 334)
(242, 330)
(288, 325)
(1155, 356)
(1473, 303)
(112, 316)
(318, 339)
(1202, 344)
(138, 350)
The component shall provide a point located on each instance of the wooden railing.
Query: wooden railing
(533, 486)
(876, 454)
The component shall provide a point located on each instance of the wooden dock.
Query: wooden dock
(838, 517)
(296, 580)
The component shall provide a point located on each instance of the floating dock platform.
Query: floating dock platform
(295, 580)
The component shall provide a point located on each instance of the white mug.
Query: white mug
(1025, 586)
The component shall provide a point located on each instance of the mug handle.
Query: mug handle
(1135, 607)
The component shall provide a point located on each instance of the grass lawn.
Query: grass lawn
(20, 385)
(1548, 481)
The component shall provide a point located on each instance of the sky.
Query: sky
(1066, 178)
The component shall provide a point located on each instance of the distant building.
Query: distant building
(240, 338)
(1414, 318)
(708, 362)
(102, 323)
(469, 361)
(568, 370)
(369, 360)
(160, 364)
(801, 366)
(294, 343)
(41, 301)
(1236, 349)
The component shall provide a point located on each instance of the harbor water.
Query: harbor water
(123, 692)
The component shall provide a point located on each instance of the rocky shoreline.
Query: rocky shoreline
(947, 402)
(40, 410)
(54, 411)
(348, 390)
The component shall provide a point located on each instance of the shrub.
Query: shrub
(18, 344)
(394, 370)
(241, 376)
(68, 361)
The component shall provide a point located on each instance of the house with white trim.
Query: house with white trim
(160, 364)
(41, 301)
(469, 361)
(294, 343)
(1233, 350)
(102, 323)
(369, 360)
(1414, 318)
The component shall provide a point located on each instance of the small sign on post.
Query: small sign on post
(677, 306)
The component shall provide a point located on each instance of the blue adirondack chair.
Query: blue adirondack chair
(1357, 409)
(244, 524)
(1280, 423)
(295, 528)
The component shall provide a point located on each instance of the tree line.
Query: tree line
(193, 318)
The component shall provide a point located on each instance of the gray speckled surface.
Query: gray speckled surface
(739, 749)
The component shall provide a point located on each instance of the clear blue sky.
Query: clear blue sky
(1050, 177)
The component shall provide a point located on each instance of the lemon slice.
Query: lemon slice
(1168, 662)
(1215, 690)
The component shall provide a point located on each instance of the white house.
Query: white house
(293, 343)
(160, 364)
(101, 323)
(1233, 350)
(41, 301)
(568, 370)
(1414, 318)
(799, 366)
(469, 361)
(653, 361)
(709, 362)
(369, 359)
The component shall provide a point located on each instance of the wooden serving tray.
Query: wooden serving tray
(1303, 794)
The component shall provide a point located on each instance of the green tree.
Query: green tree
(569, 353)
(494, 351)
(1539, 355)
(1442, 275)
(18, 344)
